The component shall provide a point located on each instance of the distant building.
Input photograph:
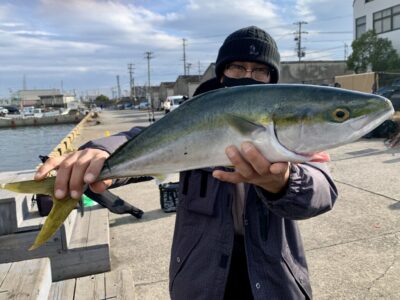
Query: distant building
(312, 72)
(59, 100)
(383, 16)
(5, 102)
(155, 93)
(37, 98)
(186, 85)
(166, 89)
(208, 73)
(32, 97)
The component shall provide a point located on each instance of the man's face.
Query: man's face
(246, 69)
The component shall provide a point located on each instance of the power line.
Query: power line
(331, 32)
(316, 51)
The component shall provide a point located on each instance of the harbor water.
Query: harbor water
(20, 147)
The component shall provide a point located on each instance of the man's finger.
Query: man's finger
(279, 168)
(100, 186)
(63, 175)
(241, 166)
(51, 164)
(78, 171)
(256, 159)
(232, 177)
(95, 166)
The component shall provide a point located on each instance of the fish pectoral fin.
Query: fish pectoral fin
(243, 125)
(59, 212)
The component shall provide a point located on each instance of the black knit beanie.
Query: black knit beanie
(249, 44)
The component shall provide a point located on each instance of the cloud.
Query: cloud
(88, 42)
(109, 22)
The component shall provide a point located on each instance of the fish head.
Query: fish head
(325, 118)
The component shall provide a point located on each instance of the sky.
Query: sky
(82, 45)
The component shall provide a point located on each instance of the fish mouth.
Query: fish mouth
(364, 125)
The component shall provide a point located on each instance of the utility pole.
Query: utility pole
(300, 49)
(131, 69)
(24, 83)
(189, 65)
(199, 67)
(345, 51)
(149, 56)
(112, 93)
(184, 56)
(118, 89)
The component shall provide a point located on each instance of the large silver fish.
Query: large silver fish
(285, 122)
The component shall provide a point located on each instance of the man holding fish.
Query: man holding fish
(236, 235)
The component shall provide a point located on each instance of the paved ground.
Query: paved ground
(353, 251)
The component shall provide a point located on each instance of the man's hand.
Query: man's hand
(74, 170)
(252, 167)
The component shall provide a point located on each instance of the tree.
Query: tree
(370, 50)
(102, 101)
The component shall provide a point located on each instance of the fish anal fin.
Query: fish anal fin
(243, 125)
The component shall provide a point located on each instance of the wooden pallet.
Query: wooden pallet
(110, 285)
(80, 247)
(29, 279)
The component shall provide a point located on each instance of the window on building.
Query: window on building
(387, 19)
(366, 1)
(360, 26)
(396, 17)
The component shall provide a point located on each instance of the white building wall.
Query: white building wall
(360, 9)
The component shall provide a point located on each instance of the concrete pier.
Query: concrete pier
(353, 251)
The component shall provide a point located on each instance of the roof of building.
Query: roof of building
(189, 78)
(168, 84)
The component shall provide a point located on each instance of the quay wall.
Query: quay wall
(66, 144)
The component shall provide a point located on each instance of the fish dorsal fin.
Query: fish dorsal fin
(243, 125)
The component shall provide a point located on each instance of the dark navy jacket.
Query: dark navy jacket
(204, 232)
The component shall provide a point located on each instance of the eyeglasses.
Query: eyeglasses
(238, 71)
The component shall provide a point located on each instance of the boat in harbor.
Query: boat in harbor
(39, 118)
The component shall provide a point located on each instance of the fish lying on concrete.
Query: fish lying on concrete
(285, 122)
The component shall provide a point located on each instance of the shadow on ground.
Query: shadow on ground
(147, 216)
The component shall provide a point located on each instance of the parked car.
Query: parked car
(393, 94)
(176, 101)
(144, 105)
(3, 111)
(12, 110)
(128, 105)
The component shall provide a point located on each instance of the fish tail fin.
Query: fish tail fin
(59, 212)
(45, 186)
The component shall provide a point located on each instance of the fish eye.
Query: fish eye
(340, 114)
